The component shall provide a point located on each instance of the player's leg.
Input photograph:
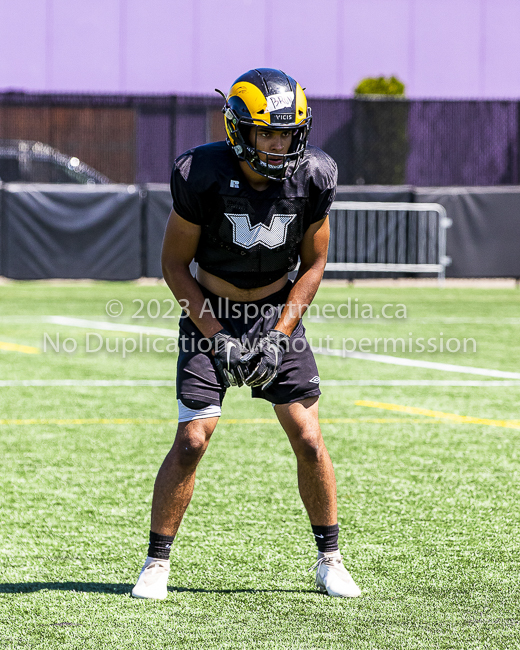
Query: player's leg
(176, 477)
(317, 486)
(172, 494)
(200, 395)
(316, 480)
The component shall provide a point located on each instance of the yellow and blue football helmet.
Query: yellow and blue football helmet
(271, 99)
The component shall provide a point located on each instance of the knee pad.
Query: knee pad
(192, 409)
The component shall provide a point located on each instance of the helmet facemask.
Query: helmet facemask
(259, 160)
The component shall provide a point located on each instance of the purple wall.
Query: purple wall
(439, 48)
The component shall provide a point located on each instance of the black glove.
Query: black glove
(270, 350)
(228, 352)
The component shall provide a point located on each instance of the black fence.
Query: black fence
(134, 139)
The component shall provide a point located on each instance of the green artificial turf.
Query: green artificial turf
(428, 508)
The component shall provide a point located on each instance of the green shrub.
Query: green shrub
(380, 86)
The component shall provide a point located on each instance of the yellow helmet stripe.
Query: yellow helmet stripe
(254, 100)
(301, 105)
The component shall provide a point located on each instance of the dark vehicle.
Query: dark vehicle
(34, 162)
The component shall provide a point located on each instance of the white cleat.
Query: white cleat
(332, 578)
(153, 579)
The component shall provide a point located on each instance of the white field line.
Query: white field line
(5, 383)
(329, 319)
(366, 356)
(459, 320)
(169, 383)
(446, 321)
(79, 421)
(84, 323)
(419, 382)
(398, 361)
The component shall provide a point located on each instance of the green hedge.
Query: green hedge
(380, 86)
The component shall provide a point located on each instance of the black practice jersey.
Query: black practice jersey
(250, 238)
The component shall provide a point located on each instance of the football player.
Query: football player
(246, 210)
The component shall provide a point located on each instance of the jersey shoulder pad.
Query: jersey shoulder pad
(200, 167)
(322, 168)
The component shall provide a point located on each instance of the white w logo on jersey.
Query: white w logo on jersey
(272, 236)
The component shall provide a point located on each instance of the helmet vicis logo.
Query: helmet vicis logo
(283, 117)
(271, 236)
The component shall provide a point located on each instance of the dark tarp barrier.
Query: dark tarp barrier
(157, 211)
(115, 232)
(71, 231)
(484, 240)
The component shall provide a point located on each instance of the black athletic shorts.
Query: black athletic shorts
(197, 377)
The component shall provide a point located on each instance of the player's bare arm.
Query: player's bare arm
(313, 257)
(179, 247)
(180, 243)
